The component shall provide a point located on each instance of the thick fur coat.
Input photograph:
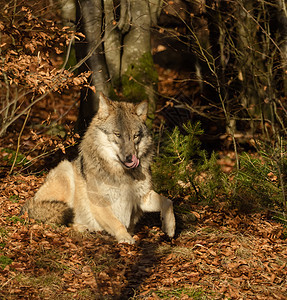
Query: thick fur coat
(109, 185)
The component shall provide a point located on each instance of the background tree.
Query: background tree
(118, 46)
(246, 60)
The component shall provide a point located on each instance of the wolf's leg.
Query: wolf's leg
(110, 223)
(50, 203)
(154, 202)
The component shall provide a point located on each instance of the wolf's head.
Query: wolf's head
(119, 133)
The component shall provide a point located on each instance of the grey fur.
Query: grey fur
(109, 185)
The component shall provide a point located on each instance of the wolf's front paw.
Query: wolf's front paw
(168, 225)
(80, 227)
(126, 238)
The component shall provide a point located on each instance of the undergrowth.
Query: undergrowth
(184, 170)
(260, 180)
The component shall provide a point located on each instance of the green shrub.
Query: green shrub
(261, 179)
(184, 170)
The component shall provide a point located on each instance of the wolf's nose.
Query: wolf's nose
(129, 158)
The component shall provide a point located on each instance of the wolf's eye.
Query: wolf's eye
(117, 134)
(137, 135)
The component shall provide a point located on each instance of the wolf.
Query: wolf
(108, 186)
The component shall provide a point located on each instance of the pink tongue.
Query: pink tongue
(134, 163)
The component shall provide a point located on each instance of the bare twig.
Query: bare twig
(18, 142)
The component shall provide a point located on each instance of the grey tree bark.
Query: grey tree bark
(112, 43)
(120, 42)
(68, 10)
(137, 39)
(90, 18)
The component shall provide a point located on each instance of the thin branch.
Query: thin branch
(260, 26)
(18, 142)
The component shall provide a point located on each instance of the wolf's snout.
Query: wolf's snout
(131, 161)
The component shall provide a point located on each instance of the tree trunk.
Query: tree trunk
(138, 74)
(112, 44)
(137, 40)
(121, 56)
(68, 10)
(91, 22)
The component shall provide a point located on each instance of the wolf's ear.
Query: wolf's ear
(141, 110)
(104, 106)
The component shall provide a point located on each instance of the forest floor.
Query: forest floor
(222, 255)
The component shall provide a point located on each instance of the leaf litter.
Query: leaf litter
(223, 255)
(226, 256)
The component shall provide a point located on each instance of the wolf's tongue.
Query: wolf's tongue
(134, 163)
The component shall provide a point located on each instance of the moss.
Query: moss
(5, 261)
(72, 59)
(21, 158)
(16, 219)
(138, 76)
(112, 94)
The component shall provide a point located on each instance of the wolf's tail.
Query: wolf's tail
(49, 211)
